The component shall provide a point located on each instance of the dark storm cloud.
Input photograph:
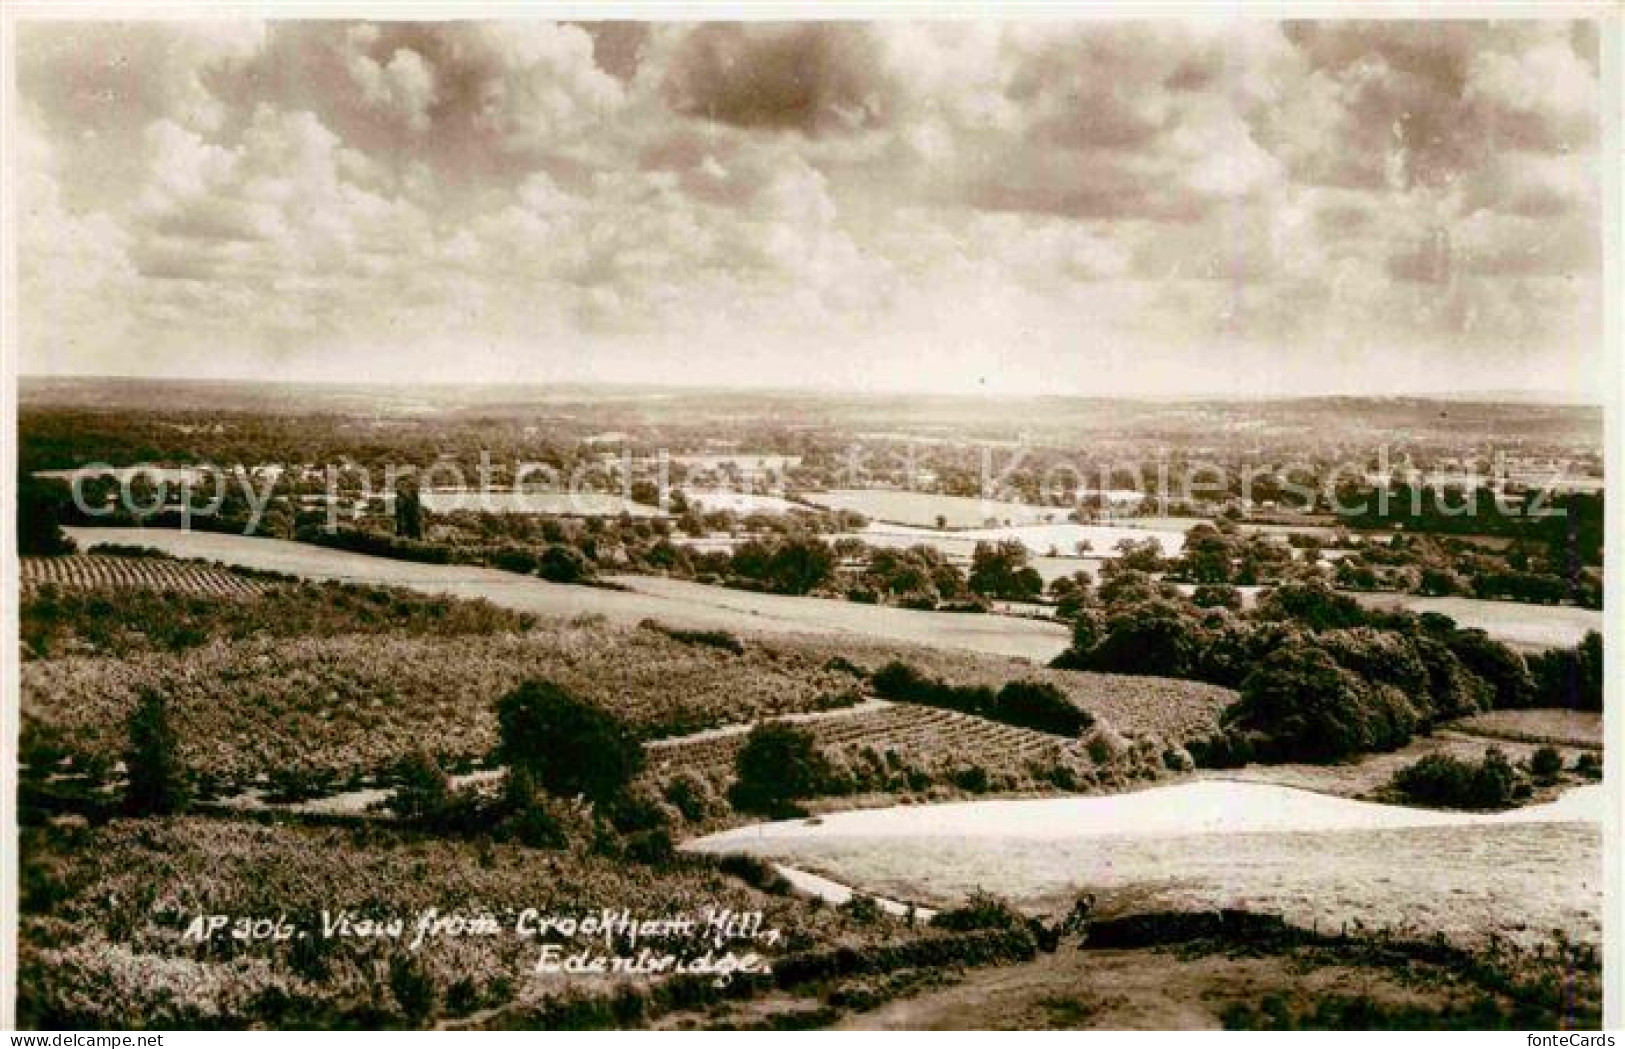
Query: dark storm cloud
(816, 78)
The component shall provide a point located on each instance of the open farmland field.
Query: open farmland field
(938, 741)
(1563, 728)
(710, 501)
(172, 606)
(1316, 861)
(358, 704)
(677, 602)
(355, 704)
(1529, 628)
(1169, 711)
(90, 572)
(1061, 536)
(967, 632)
(957, 550)
(154, 475)
(569, 504)
(923, 508)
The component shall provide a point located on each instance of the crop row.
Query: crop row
(925, 737)
(1169, 711)
(92, 572)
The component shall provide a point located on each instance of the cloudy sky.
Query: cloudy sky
(1093, 207)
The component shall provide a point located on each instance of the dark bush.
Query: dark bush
(690, 797)
(978, 947)
(755, 872)
(982, 910)
(1569, 678)
(898, 680)
(1031, 704)
(1040, 705)
(563, 564)
(1312, 603)
(1546, 762)
(653, 847)
(1449, 782)
(421, 791)
(778, 765)
(636, 811)
(708, 638)
(568, 745)
(413, 988)
(1157, 638)
(972, 779)
(1504, 670)
(42, 506)
(530, 818)
(865, 910)
(156, 782)
(1217, 595)
(1311, 709)
(295, 783)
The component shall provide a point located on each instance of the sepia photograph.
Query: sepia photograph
(1047, 517)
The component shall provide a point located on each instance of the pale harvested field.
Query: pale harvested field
(1520, 875)
(957, 550)
(578, 504)
(1031, 639)
(676, 602)
(710, 501)
(923, 508)
(1560, 728)
(1529, 628)
(1061, 536)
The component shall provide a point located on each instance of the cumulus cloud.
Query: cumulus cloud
(403, 86)
(1097, 206)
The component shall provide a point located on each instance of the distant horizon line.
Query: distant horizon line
(1488, 396)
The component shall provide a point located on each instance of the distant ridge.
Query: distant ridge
(500, 392)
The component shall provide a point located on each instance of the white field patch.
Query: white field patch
(923, 508)
(712, 501)
(125, 475)
(1529, 628)
(1210, 806)
(579, 504)
(1319, 861)
(1040, 539)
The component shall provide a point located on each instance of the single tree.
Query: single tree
(778, 765)
(568, 745)
(41, 506)
(156, 784)
(800, 564)
(408, 511)
(423, 789)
